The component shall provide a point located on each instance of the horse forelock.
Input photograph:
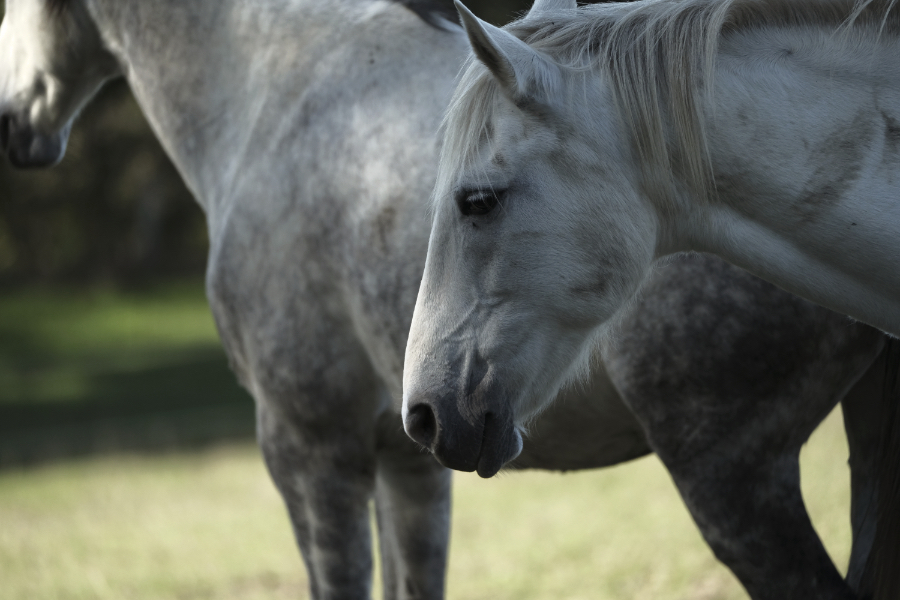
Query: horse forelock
(656, 56)
(467, 124)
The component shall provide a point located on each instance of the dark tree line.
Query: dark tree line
(115, 209)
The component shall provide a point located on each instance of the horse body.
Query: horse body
(312, 185)
(310, 329)
(313, 159)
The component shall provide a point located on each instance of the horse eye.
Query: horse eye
(477, 202)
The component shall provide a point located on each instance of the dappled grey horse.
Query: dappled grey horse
(308, 133)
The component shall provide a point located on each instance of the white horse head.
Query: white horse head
(51, 62)
(515, 284)
(582, 145)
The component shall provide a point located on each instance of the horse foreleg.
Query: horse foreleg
(412, 502)
(750, 510)
(325, 471)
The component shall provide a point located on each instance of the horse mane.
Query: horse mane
(656, 55)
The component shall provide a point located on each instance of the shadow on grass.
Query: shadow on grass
(189, 402)
(86, 371)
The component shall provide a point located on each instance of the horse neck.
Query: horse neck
(203, 72)
(804, 146)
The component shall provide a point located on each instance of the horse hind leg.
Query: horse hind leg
(861, 407)
(886, 545)
(412, 506)
(873, 433)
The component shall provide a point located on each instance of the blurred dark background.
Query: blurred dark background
(114, 210)
(105, 340)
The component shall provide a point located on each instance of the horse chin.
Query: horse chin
(28, 149)
(501, 444)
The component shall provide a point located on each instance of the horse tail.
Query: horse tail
(883, 565)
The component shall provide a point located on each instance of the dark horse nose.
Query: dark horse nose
(421, 424)
(485, 443)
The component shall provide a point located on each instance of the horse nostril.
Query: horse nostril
(421, 424)
(5, 131)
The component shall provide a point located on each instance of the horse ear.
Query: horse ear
(514, 63)
(545, 5)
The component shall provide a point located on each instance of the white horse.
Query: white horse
(583, 145)
(308, 133)
(764, 131)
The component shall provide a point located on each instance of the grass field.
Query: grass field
(208, 523)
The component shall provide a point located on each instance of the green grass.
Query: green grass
(90, 370)
(210, 525)
(54, 344)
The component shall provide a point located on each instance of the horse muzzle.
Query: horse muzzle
(28, 149)
(483, 442)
